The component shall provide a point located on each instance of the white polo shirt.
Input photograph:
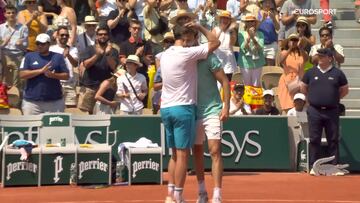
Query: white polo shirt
(179, 73)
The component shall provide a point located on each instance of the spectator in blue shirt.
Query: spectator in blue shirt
(43, 71)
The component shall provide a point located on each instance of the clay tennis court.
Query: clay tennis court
(237, 187)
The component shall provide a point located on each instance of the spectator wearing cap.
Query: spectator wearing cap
(268, 108)
(324, 86)
(226, 32)
(132, 88)
(14, 40)
(290, 12)
(238, 106)
(269, 26)
(292, 59)
(251, 59)
(326, 41)
(299, 109)
(106, 102)
(88, 37)
(34, 20)
(118, 22)
(99, 61)
(43, 71)
(71, 60)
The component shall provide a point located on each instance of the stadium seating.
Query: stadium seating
(270, 76)
(14, 171)
(93, 152)
(58, 151)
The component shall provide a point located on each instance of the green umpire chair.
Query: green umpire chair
(94, 153)
(16, 172)
(57, 142)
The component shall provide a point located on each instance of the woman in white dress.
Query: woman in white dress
(226, 33)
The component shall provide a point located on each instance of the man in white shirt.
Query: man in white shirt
(326, 41)
(13, 37)
(179, 73)
(299, 109)
(71, 61)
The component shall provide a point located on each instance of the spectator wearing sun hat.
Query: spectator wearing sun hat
(268, 108)
(226, 33)
(251, 59)
(292, 59)
(132, 88)
(43, 71)
(87, 38)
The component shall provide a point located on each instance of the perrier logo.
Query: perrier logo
(88, 165)
(20, 166)
(142, 165)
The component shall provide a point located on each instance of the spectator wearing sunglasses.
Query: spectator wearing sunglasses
(326, 41)
(43, 70)
(71, 60)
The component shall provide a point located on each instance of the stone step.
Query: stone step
(340, 4)
(352, 112)
(351, 103)
(344, 14)
(354, 93)
(351, 71)
(351, 62)
(352, 52)
(347, 34)
(339, 24)
(353, 82)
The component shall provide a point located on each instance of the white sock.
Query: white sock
(171, 188)
(178, 194)
(217, 192)
(202, 187)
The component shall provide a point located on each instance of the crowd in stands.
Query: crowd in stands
(109, 46)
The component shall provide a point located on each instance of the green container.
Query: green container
(145, 165)
(94, 168)
(21, 173)
(55, 169)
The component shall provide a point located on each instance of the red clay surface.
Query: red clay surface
(237, 187)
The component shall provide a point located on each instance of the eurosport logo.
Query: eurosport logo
(315, 11)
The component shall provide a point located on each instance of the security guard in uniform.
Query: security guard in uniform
(324, 85)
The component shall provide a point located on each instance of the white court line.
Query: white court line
(97, 201)
(258, 200)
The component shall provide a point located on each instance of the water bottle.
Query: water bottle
(119, 171)
(73, 174)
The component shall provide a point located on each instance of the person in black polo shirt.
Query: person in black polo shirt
(324, 85)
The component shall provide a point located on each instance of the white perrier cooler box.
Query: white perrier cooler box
(144, 165)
